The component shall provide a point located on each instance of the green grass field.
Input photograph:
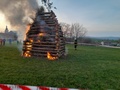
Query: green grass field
(88, 67)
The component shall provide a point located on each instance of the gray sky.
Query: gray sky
(100, 17)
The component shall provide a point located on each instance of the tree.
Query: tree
(66, 29)
(72, 31)
(78, 30)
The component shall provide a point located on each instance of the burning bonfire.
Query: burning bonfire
(44, 37)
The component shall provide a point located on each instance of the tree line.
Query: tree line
(73, 31)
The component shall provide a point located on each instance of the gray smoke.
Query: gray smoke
(17, 12)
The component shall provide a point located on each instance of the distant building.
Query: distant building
(6, 30)
(8, 34)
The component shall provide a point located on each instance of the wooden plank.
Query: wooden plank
(49, 20)
(47, 16)
(38, 35)
(44, 55)
(51, 24)
(27, 46)
(24, 49)
(41, 43)
(55, 30)
(45, 51)
(44, 45)
(32, 28)
(37, 53)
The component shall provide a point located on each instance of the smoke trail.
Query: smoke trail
(17, 12)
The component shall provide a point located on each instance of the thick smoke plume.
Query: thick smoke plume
(18, 12)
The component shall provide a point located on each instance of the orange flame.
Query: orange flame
(29, 46)
(41, 34)
(27, 54)
(51, 57)
(27, 29)
(31, 40)
(38, 41)
(28, 43)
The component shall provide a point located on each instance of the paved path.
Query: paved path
(109, 46)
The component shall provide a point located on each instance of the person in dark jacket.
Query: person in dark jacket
(3, 41)
(75, 44)
(0, 41)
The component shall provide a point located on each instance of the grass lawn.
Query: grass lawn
(88, 67)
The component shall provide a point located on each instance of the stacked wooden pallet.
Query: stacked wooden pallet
(45, 35)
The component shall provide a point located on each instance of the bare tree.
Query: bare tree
(73, 31)
(66, 29)
(78, 30)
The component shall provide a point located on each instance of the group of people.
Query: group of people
(2, 41)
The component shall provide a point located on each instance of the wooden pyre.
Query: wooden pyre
(44, 37)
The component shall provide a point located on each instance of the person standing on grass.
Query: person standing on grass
(0, 41)
(17, 42)
(10, 41)
(3, 41)
(75, 44)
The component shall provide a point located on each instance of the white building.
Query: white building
(8, 34)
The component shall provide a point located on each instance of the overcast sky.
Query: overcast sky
(100, 17)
